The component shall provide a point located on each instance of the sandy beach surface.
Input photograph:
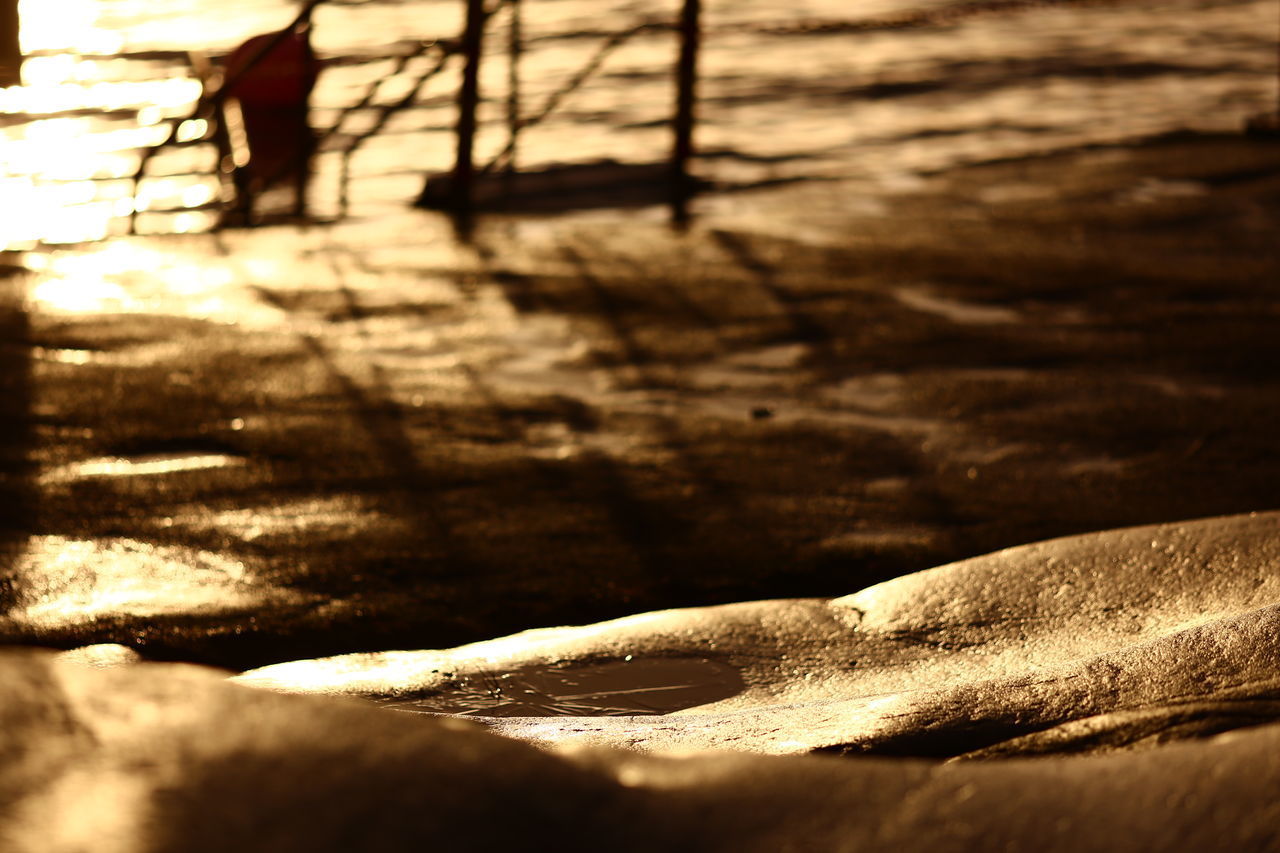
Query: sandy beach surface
(964, 279)
(284, 443)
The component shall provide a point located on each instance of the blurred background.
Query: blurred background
(881, 90)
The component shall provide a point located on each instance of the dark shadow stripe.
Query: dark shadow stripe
(17, 494)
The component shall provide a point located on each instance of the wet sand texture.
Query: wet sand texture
(276, 444)
(1121, 639)
(1080, 642)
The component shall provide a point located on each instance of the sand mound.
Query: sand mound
(1122, 638)
(1098, 643)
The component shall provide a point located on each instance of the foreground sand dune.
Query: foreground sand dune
(1089, 642)
(1102, 643)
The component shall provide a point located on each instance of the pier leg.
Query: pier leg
(468, 99)
(10, 51)
(686, 98)
(515, 47)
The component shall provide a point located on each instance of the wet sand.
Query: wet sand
(284, 444)
(355, 454)
(1108, 641)
(1140, 646)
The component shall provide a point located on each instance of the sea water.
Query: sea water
(880, 89)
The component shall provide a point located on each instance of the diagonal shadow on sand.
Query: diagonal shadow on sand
(17, 497)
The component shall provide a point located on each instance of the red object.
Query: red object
(283, 77)
(269, 81)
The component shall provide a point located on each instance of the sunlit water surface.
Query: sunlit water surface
(789, 90)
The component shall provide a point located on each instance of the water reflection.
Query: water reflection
(778, 105)
(65, 296)
(71, 25)
(145, 466)
(618, 688)
(66, 176)
(134, 276)
(62, 581)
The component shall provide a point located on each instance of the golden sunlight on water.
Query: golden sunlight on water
(133, 276)
(66, 25)
(107, 80)
(64, 579)
(140, 467)
(69, 155)
(340, 517)
(62, 296)
(104, 27)
(68, 178)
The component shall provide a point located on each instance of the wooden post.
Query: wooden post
(686, 97)
(10, 50)
(515, 47)
(468, 100)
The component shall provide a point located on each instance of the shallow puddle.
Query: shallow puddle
(628, 687)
